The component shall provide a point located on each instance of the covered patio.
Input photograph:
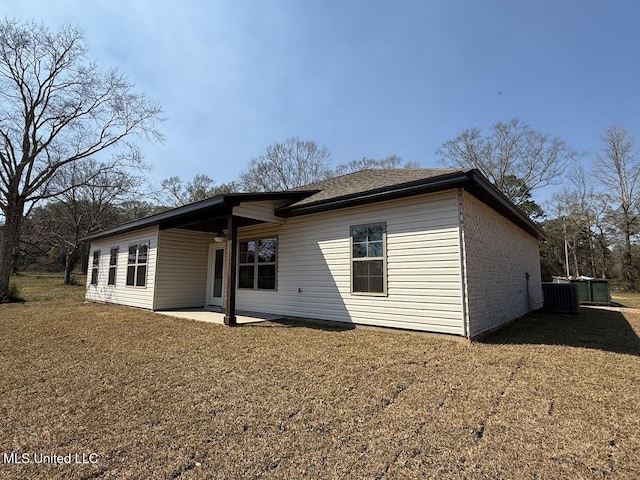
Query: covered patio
(189, 263)
(222, 219)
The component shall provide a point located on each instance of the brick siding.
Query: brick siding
(497, 256)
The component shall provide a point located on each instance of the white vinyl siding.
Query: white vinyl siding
(423, 266)
(262, 210)
(120, 293)
(182, 269)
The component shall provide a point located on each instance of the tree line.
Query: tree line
(52, 233)
(70, 166)
(592, 222)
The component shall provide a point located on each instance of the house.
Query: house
(437, 250)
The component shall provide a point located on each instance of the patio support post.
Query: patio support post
(232, 248)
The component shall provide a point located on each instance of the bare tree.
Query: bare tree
(580, 219)
(585, 204)
(88, 202)
(618, 169)
(57, 108)
(601, 234)
(392, 161)
(133, 209)
(175, 192)
(286, 165)
(511, 151)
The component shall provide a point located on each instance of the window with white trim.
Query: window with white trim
(257, 261)
(113, 265)
(369, 259)
(137, 265)
(94, 267)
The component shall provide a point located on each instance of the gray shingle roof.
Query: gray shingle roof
(369, 180)
(356, 188)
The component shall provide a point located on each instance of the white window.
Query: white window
(368, 259)
(137, 265)
(113, 265)
(94, 267)
(258, 270)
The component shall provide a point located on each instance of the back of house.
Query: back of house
(437, 250)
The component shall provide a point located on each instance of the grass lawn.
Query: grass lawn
(155, 397)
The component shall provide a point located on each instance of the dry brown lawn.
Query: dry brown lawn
(155, 397)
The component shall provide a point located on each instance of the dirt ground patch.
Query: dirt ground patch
(158, 397)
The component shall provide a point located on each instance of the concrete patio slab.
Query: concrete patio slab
(204, 315)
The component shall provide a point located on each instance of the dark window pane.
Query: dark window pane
(359, 250)
(112, 276)
(113, 259)
(359, 284)
(133, 250)
(142, 254)
(368, 276)
(141, 276)
(267, 250)
(374, 233)
(376, 285)
(375, 267)
(96, 258)
(218, 272)
(217, 287)
(361, 269)
(94, 276)
(267, 277)
(359, 234)
(131, 274)
(245, 276)
(251, 252)
(367, 241)
(374, 249)
(247, 252)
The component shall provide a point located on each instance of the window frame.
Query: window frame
(95, 268)
(383, 258)
(256, 264)
(113, 266)
(136, 265)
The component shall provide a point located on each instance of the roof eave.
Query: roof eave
(224, 202)
(158, 218)
(471, 180)
(417, 187)
(493, 197)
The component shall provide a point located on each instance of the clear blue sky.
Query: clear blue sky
(365, 78)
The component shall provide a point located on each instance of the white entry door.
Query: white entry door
(216, 265)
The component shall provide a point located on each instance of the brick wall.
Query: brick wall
(497, 256)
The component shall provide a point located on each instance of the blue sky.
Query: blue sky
(364, 78)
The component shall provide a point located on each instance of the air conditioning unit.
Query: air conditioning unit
(560, 298)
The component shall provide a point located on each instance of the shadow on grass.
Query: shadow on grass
(594, 328)
(295, 322)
